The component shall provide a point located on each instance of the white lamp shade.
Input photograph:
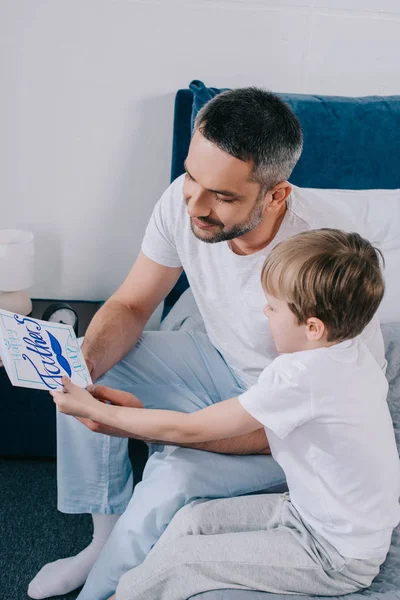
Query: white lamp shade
(17, 250)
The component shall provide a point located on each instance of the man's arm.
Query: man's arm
(250, 443)
(116, 328)
(119, 323)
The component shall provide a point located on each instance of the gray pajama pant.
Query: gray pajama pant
(256, 542)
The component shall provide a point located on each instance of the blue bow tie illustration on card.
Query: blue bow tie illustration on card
(56, 347)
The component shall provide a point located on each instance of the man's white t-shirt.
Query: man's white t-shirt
(328, 424)
(227, 287)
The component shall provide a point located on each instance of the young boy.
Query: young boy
(323, 405)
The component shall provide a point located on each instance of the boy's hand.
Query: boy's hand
(117, 397)
(74, 400)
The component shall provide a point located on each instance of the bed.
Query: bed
(350, 144)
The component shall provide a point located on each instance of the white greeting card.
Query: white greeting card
(37, 354)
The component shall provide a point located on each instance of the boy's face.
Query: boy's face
(288, 335)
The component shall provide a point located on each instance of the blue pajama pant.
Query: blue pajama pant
(174, 370)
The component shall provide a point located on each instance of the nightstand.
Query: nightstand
(28, 417)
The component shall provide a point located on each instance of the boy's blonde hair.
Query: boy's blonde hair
(328, 274)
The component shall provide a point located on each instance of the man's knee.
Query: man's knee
(179, 468)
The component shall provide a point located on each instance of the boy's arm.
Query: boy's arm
(219, 421)
(250, 443)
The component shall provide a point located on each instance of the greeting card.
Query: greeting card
(37, 354)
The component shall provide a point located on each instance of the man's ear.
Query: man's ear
(315, 329)
(279, 193)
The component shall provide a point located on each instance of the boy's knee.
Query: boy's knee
(189, 518)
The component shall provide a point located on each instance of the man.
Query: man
(218, 222)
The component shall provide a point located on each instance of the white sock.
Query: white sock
(67, 574)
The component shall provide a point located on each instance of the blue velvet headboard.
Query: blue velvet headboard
(349, 143)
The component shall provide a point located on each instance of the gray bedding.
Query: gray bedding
(387, 585)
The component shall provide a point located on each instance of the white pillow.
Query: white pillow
(376, 216)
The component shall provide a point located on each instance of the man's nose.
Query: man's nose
(198, 205)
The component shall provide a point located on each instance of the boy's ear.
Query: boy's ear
(315, 329)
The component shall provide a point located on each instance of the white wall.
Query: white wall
(86, 106)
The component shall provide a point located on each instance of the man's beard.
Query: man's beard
(223, 235)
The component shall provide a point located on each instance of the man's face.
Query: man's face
(221, 200)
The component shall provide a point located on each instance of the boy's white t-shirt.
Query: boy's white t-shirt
(227, 287)
(328, 424)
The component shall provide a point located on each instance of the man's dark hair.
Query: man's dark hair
(254, 125)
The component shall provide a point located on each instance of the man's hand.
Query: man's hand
(117, 397)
